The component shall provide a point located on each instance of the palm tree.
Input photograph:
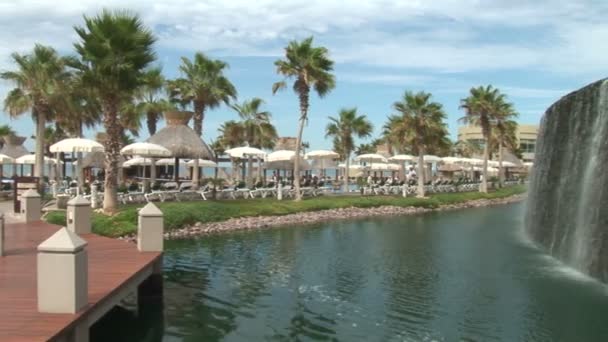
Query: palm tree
(344, 128)
(39, 81)
(115, 49)
(259, 132)
(232, 135)
(149, 103)
(310, 67)
(467, 148)
(5, 130)
(363, 148)
(204, 85)
(505, 136)
(420, 124)
(482, 108)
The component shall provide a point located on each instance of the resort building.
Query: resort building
(526, 136)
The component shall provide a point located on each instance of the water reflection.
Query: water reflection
(458, 276)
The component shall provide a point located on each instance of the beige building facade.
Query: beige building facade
(526, 137)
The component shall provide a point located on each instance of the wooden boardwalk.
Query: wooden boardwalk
(113, 266)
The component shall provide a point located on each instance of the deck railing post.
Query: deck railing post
(150, 229)
(1, 234)
(31, 205)
(79, 215)
(62, 273)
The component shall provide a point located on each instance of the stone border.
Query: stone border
(313, 217)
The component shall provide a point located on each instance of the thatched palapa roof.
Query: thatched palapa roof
(180, 139)
(13, 146)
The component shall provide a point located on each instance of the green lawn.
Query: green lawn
(179, 214)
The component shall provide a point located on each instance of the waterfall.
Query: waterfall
(568, 204)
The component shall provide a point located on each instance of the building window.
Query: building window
(527, 145)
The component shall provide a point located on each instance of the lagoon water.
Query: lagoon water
(467, 275)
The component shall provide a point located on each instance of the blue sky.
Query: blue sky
(534, 51)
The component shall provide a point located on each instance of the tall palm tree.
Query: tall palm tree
(467, 148)
(259, 132)
(39, 81)
(310, 67)
(148, 99)
(420, 123)
(344, 129)
(232, 134)
(115, 48)
(482, 108)
(364, 149)
(203, 85)
(505, 137)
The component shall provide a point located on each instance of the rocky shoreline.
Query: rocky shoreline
(307, 218)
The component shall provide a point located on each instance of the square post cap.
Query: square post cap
(30, 193)
(79, 201)
(63, 241)
(150, 210)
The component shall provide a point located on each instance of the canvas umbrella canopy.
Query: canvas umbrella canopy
(353, 170)
(30, 159)
(322, 154)
(384, 167)
(371, 158)
(247, 152)
(451, 160)
(145, 149)
(401, 158)
(170, 161)
(428, 158)
(284, 160)
(202, 163)
(181, 140)
(139, 161)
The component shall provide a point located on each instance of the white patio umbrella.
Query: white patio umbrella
(137, 161)
(528, 164)
(322, 154)
(429, 158)
(202, 163)
(74, 145)
(30, 159)
(401, 158)
(508, 164)
(170, 161)
(451, 160)
(247, 152)
(371, 158)
(385, 167)
(492, 163)
(77, 145)
(145, 149)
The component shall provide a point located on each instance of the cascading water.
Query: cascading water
(568, 203)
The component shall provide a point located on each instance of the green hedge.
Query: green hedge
(179, 214)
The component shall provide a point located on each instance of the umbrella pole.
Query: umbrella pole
(152, 171)
(176, 170)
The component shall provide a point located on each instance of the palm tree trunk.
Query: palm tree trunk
(39, 162)
(112, 152)
(484, 182)
(347, 162)
(420, 172)
(501, 174)
(304, 96)
(199, 116)
(151, 119)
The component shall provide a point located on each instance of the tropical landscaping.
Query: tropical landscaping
(114, 81)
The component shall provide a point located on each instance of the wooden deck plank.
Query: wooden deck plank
(112, 263)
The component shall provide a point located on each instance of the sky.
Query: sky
(534, 51)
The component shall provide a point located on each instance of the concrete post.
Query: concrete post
(79, 215)
(31, 206)
(1, 234)
(404, 189)
(280, 191)
(62, 273)
(94, 202)
(150, 229)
